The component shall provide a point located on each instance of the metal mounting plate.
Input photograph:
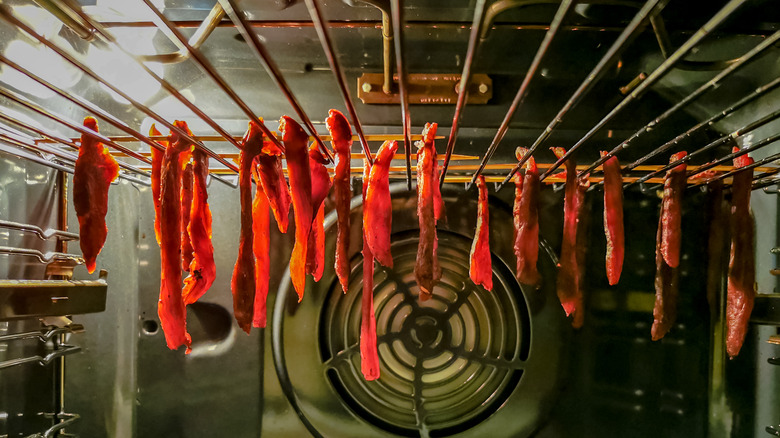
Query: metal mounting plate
(426, 88)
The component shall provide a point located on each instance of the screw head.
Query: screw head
(483, 88)
(366, 87)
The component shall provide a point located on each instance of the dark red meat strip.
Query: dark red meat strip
(613, 218)
(342, 144)
(369, 357)
(480, 265)
(526, 221)
(379, 215)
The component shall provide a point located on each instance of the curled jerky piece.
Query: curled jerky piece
(613, 218)
(526, 221)
(342, 144)
(379, 216)
(480, 265)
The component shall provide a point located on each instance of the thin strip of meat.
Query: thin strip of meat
(202, 269)
(613, 218)
(429, 135)
(668, 241)
(426, 265)
(671, 214)
(157, 159)
(569, 287)
(342, 143)
(261, 227)
(379, 215)
(716, 240)
(480, 266)
(742, 264)
(583, 225)
(369, 357)
(526, 218)
(187, 252)
(320, 186)
(271, 175)
(171, 311)
(243, 282)
(94, 171)
(297, 156)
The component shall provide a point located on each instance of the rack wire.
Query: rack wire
(484, 15)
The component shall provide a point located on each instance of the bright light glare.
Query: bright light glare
(124, 73)
(39, 19)
(40, 61)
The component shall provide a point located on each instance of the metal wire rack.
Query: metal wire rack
(30, 142)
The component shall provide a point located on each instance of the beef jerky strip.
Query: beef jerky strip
(429, 136)
(261, 224)
(379, 215)
(526, 218)
(320, 186)
(297, 156)
(480, 266)
(671, 214)
(569, 287)
(273, 183)
(426, 265)
(613, 218)
(369, 357)
(716, 221)
(243, 282)
(186, 206)
(157, 159)
(742, 264)
(171, 305)
(668, 236)
(202, 269)
(94, 171)
(342, 144)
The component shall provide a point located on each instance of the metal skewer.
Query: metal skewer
(396, 12)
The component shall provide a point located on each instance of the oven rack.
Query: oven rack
(49, 334)
(484, 15)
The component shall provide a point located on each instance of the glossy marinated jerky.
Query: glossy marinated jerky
(742, 264)
(202, 268)
(171, 305)
(297, 156)
(369, 357)
(157, 159)
(379, 215)
(273, 183)
(94, 171)
(243, 283)
(671, 212)
(480, 266)
(613, 218)
(342, 144)
(320, 182)
(526, 221)
(426, 270)
(186, 207)
(668, 240)
(569, 284)
(261, 227)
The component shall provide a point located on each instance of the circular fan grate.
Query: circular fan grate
(447, 363)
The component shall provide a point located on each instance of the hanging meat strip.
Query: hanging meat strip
(526, 218)
(342, 144)
(668, 241)
(426, 268)
(271, 175)
(379, 215)
(742, 264)
(429, 136)
(297, 156)
(613, 218)
(261, 227)
(94, 171)
(671, 215)
(202, 268)
(716, 239)
(480, 266)
(320, 186)
(369, 357)
(157, 159)
(173, 316)
(569, 284)
(243, 282)
(186, 206)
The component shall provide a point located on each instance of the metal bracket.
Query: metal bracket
(425, 88)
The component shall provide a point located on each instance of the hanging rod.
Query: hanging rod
(64, 350)
(327, 45)
(555, 25)
(730, 138)
(709, 85)
(217, 138)
(38, 231)
(43, 257)
(659, 72)
(732, 172)
(66, 420)
(22, 151)
(637, 25)
(6, 14)
(397, 21)
(45, 334)
(238, 18)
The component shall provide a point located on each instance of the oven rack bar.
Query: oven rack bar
(217, 138)
(634, 28)
(45, 334)
(46, 234)
(7, 15)
(397, 21)
(43, 257)
(66, 420)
